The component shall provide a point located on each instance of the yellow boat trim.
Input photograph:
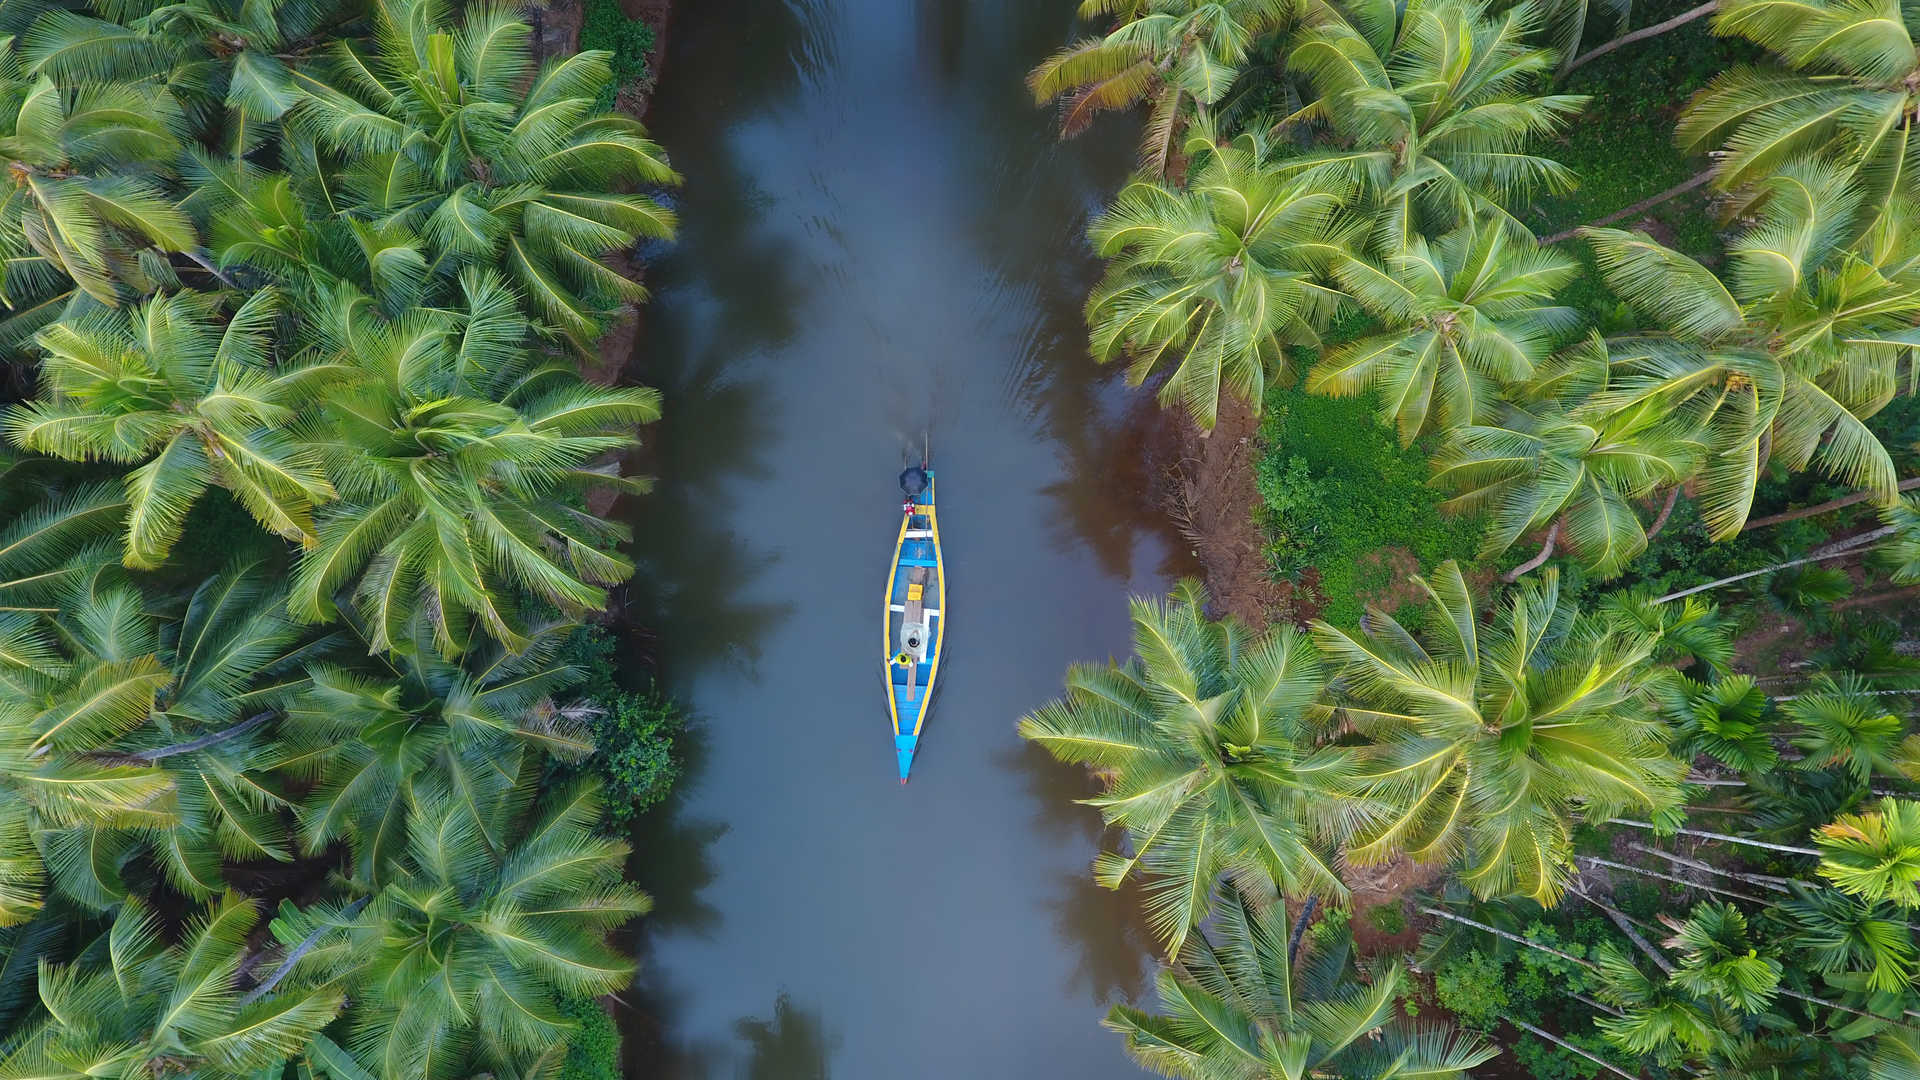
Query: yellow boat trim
(886, 622)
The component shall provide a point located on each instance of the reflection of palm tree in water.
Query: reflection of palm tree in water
(791, 1046)
(942, 26)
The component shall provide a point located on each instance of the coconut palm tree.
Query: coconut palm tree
(1461, 317)
(1432, 107)
(142, 1007)
(1787, 359)
(1552, 462)
(1239, 1003)
(454, 457)
(1846, 89)
(83, 164)
(68, 701)
(1875, 855)
(1213, 758)
(1168, 52)
(194, 399)
(222, 61)
(367, 739)
(1489, 738)
(495, 911)
(437, 132)
(1216, 278)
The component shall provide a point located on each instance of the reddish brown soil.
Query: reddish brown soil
(1205, 484)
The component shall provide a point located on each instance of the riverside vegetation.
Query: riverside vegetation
(1613, 667)
(304, 717)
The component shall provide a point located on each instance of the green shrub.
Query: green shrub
(1473, 987)
(633, 729)
(633, 738)
(1545, 1061)
(593, 1050)
(1387, 918)
(603, 25)
(1336, 489)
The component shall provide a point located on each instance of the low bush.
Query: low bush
(1338, 491)
(603, 25)
(593, 1049)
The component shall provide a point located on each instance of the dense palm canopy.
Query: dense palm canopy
(1557, 463)
(435, 135)
(1216, 279)
(1875, 855)
(494, 910)
(195, 399)
(1213, 755)
(373, 740)
(1844, 90)
(1239, 1003)
(142, 1007)
(1787, 360)
(1488, 738)
(1166, 51)
(1460, 317)
(454, 457)
(1433, 109)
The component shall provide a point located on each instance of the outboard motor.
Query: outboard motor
(913, 480)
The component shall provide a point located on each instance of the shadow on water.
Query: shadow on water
(793, 1045)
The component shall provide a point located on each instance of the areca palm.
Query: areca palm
(495, 912)
(1788, 359)
(454, 457)
(369, 741)
(81, 197)
(195, 401)
(1487, 739)
(438, 137)
(1168, 51)
(142, 1007)
(1462, 317)
(1556, 463)
(1875, 855)
(1213, 758)
(1217, 278)
(1847, 92)
(1237, 1004)
(1434, 104)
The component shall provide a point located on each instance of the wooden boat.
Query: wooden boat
(915, 620)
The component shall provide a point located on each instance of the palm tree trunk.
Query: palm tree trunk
(1626, 926)
(1644, 33)
(1640, 207)
(299, 952)
(150, 756)
(1849, 546)
(1825, 507)
(1300, 927)
(1762, 880)
(1673, 496)
(1705, 835)
(1546, 551)
(1644, 872)
(1499, 933)
(1565, 1045)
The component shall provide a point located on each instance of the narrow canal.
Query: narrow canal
(882, 241)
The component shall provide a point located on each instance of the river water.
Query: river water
(882, 242)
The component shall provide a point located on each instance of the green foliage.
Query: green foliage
(1338, 492)
(1545, 1061)
(1387, 918)
(593, 1047)
(1473, 987)
(605, 26)
(633, 739)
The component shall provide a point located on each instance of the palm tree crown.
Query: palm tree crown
(1463, 316)
(1237, 1004)
(437, 137)
(1218, 277)
(1487, 739)
(1212, 758)
(1435, 107)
